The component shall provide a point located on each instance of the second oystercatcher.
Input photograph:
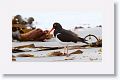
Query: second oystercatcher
(65, 37)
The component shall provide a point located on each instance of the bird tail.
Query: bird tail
(83, 40)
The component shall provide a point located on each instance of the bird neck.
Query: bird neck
(57, 31)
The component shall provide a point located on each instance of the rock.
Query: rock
(25, 55)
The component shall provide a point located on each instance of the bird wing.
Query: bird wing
(67, 36)
(72, 33)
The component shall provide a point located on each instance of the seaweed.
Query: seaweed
(25, 55)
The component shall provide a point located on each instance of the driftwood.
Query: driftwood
(58, 53)
(41, 48)
(18, 49)
(13, 58)
(14, 50)
(25, 55)
(77, 52)
(98, 43)
(26, 46)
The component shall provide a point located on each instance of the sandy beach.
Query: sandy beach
(90, 54)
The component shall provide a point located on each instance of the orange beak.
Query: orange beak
(50, 30)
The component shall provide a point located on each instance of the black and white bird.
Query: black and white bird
(65, 37)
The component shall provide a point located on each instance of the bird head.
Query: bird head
(56, 26)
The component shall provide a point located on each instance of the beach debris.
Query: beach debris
(22, 28)
(31, 47)
(26, 46)
(78, 47)
(23, 48)
(98, 42)
(18, 19)
(69, 58)
(100, 50)
(15, 50)
(57, 53)
(13, 58)
(25, 55)
(49, 36)
(77, 52)
(27, 31)
(49, 48)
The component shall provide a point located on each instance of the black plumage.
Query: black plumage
(66, 35)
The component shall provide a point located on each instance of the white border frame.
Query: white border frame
(104, 67)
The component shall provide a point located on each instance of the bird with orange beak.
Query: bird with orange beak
(65, 37)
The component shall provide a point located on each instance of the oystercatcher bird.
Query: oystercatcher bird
(65, 37)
